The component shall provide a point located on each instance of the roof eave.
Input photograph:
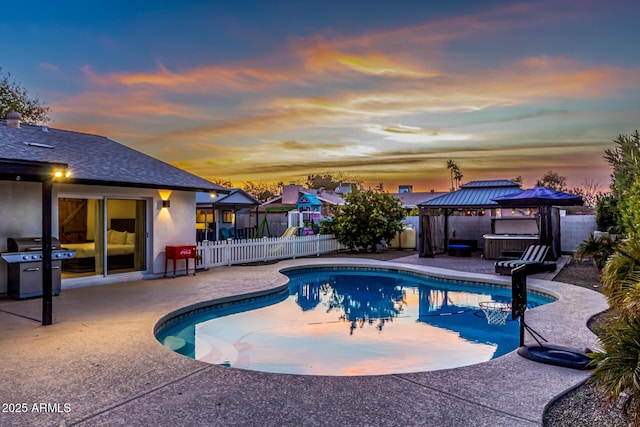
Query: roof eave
(144, 185)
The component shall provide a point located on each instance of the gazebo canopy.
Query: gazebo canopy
(538, 196)
(475, 194)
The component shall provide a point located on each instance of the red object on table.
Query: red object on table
(180, 252)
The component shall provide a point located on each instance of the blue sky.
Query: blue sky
(383, 91)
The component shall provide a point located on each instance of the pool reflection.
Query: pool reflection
(354, 322)
(354, 299)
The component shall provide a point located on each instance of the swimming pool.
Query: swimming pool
(350, 321)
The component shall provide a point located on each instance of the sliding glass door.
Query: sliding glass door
(126, 235)
(108, 235)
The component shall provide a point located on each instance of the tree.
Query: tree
(456, 174)
(13, 97)
(366, 218)
(329, 180)
(518, 180)
(554, 181)
(223, 182)
(625, 162)
(590, 192)
(263, 190)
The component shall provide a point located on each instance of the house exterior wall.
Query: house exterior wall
(173, 226)
(21, 216)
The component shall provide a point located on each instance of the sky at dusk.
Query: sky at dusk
(383, 91)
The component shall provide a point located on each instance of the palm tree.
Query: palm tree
(455, 173)
(458, 177)
(451, 165)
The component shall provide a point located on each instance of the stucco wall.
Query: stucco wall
(575, 229)
(21, 216)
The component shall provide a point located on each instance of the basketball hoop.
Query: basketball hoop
(496, 312)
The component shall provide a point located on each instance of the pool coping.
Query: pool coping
(105, 333)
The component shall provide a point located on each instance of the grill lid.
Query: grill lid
(29, 244)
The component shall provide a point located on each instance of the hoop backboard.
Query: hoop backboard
(518, 291)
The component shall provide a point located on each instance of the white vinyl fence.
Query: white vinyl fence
(229, 252)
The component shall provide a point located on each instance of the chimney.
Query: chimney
(13, 119)
(290, 194)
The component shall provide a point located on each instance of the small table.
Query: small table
(180, 252)
(459, 250)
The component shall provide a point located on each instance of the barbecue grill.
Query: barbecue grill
(25, 263)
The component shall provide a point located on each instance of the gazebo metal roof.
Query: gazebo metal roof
(475, 194)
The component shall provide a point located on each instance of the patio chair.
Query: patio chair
(224, 234)
(533, 258)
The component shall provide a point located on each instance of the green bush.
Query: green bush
(366, 218)
(607, 215)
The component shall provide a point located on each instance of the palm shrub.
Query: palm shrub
(600, 248)
(620, 268)
(618, 364)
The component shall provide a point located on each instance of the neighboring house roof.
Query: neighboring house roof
(324, 196)
(475, 194)
(236, 197)
(96, 160)
(410, 199)
(308, 199)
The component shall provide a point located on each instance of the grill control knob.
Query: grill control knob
(25, 256)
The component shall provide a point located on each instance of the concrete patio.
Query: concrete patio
(99, 363)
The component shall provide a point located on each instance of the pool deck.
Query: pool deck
(101, 360)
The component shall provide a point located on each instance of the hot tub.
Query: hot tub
(495, 244)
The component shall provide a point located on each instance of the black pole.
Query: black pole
(47, 277)
(522, 329)
(446, 228)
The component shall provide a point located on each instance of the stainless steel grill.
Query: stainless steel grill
(24, 259)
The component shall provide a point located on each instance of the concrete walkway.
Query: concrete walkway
(99, 364)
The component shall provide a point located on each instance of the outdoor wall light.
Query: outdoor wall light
(62, 173)
(166, 203)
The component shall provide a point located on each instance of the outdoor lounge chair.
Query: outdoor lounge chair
(533, 258)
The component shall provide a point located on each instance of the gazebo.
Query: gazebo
(216, 215)
(475, 197)
(546, 201)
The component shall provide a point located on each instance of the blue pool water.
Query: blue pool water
(345, 321)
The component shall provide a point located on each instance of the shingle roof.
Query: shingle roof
(237, 196)
(325, 196)
(411, 199)
(475, 194)
(94, 159)
(310, 199)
